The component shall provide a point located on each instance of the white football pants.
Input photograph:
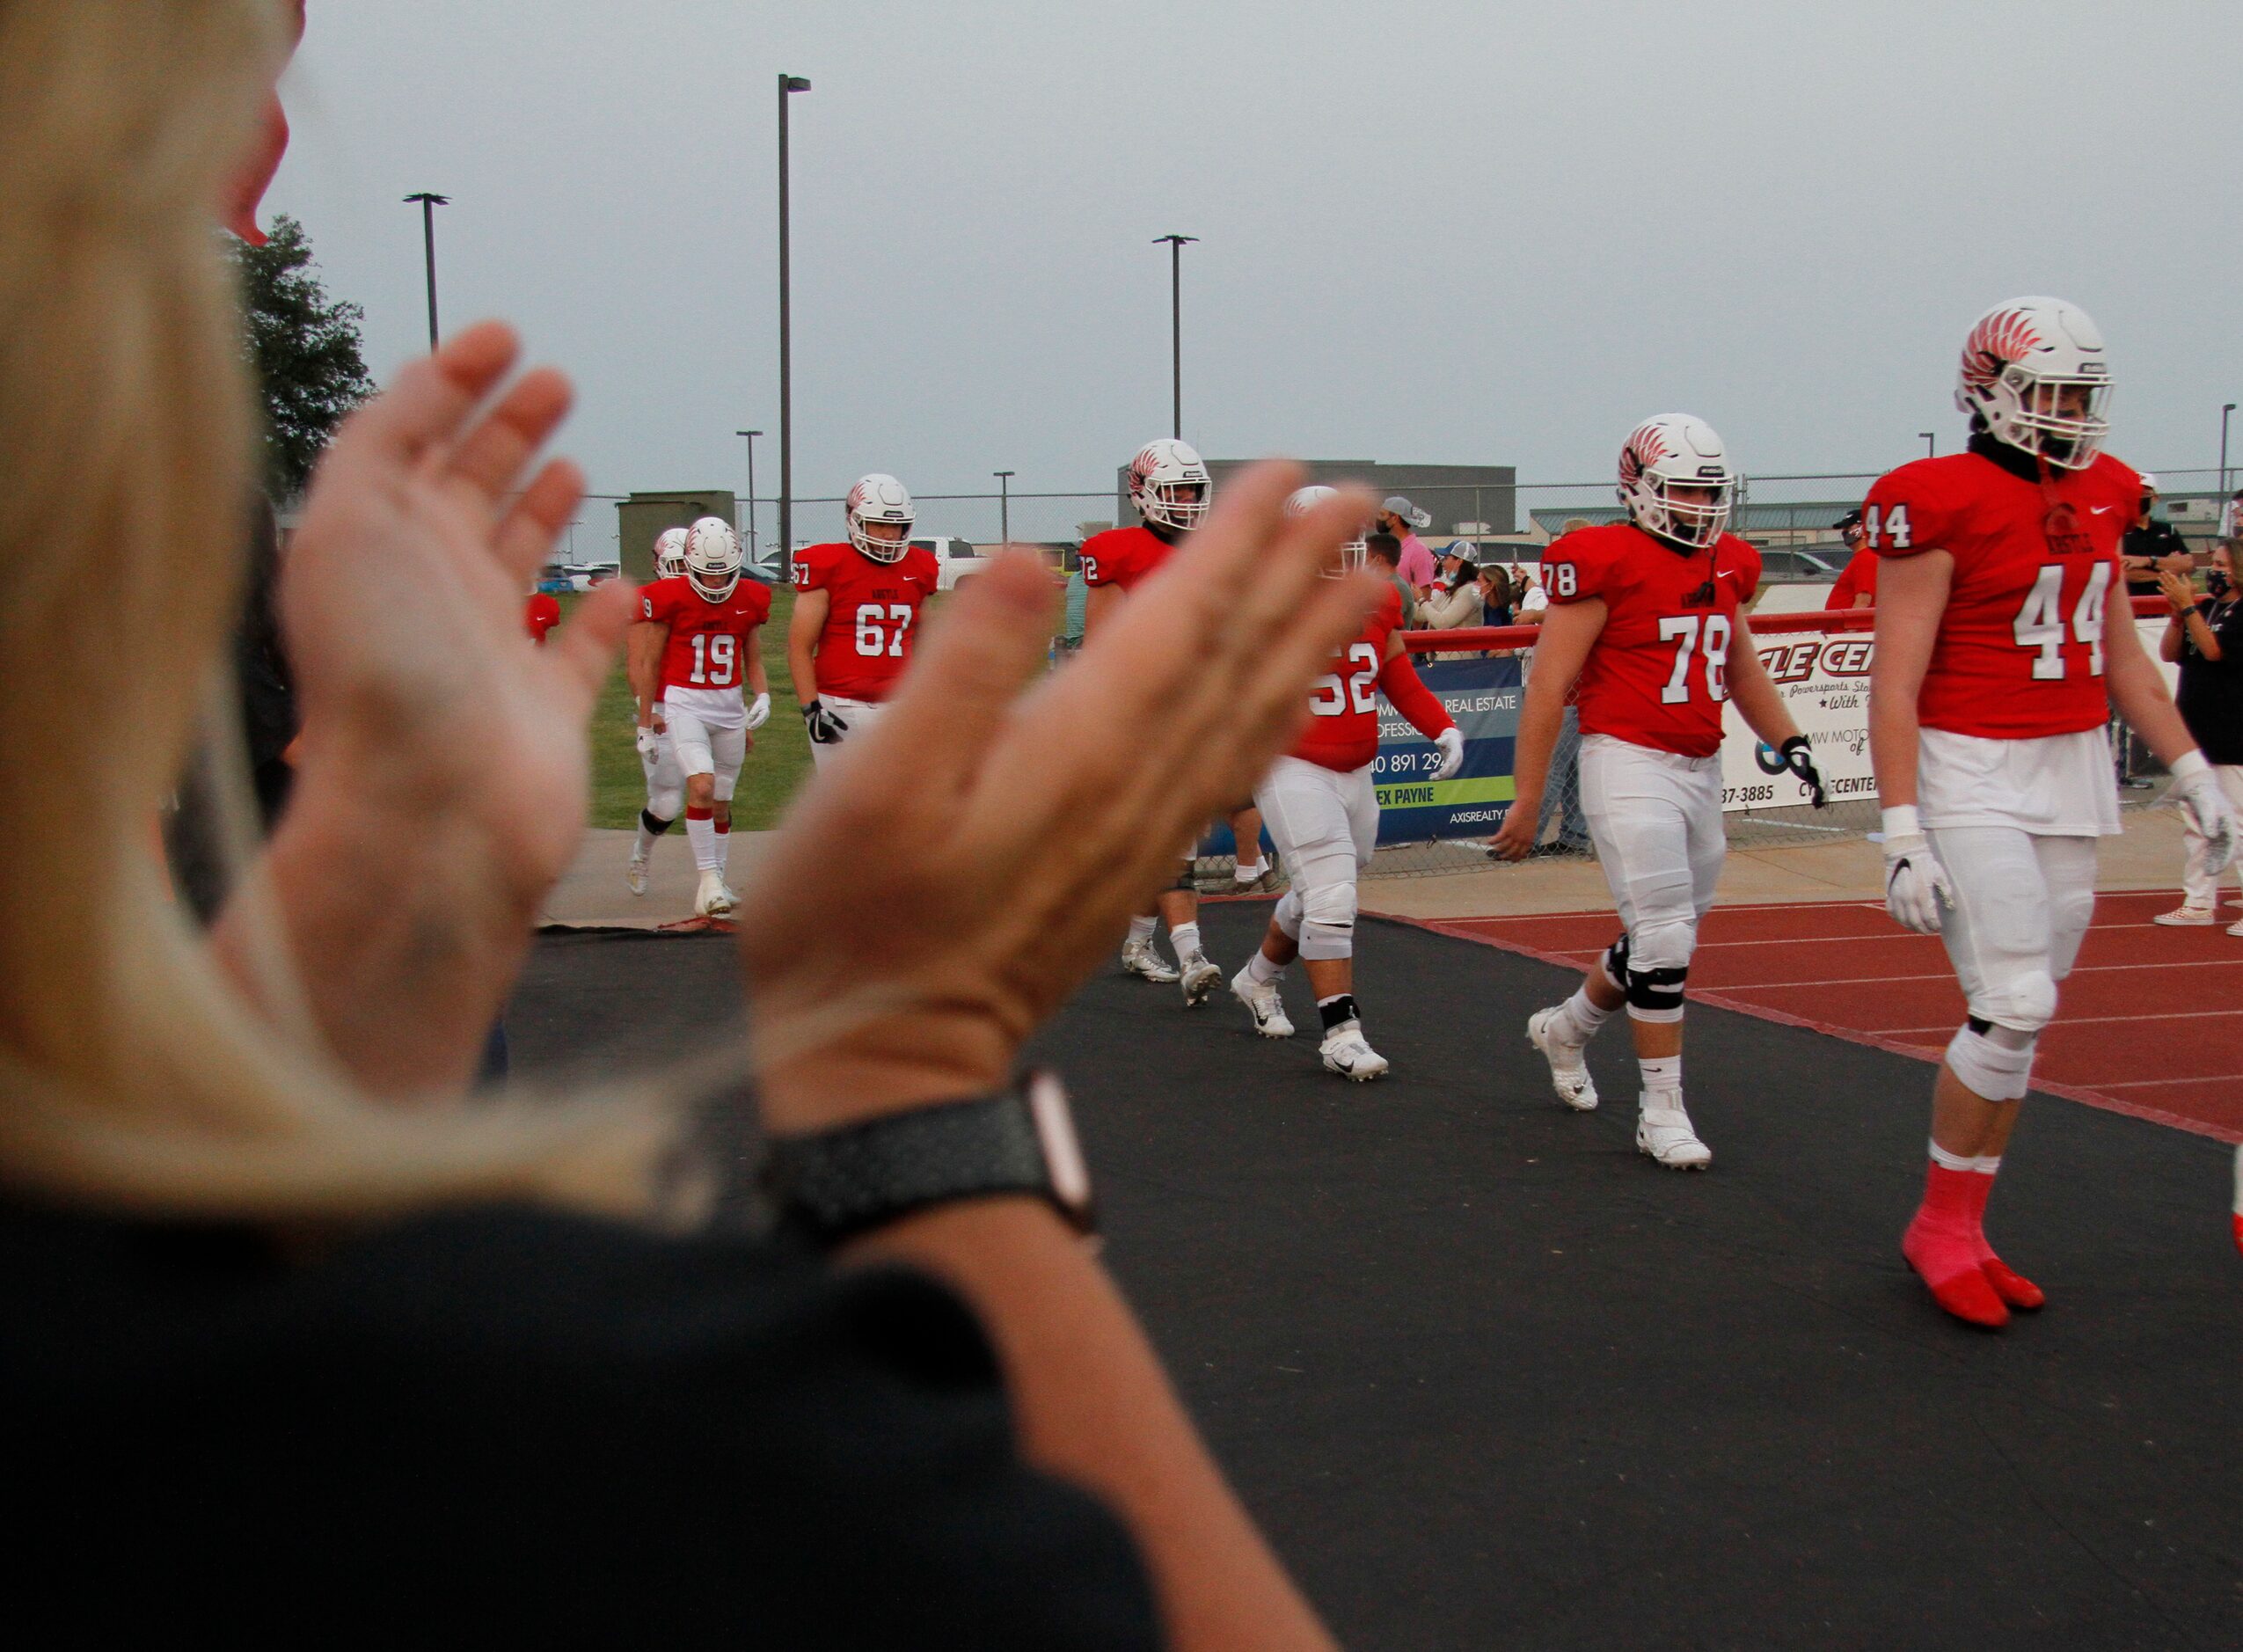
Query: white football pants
(2022, 908)
(859, 715)
(704, 748)
(1324, 824)
(1656, 818)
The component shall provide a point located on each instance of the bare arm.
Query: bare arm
(1568, 633)
(2169, 645)
(2137, 687)
(648, 639)
(1758, 700)
(802, 633)
(1864, 599)
(759, 680)
(1911, 595)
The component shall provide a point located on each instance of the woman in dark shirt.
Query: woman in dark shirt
(2204, 639)
(286, 1356)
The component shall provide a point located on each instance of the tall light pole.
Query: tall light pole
(1003, 506)
(2226, 408)
(1176, 245)
(1930, 441)
(788, 84)
(751, 435)
(428, 205)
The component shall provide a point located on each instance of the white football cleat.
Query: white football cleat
(635, 874)
(1201, 978)
(1142, 958)
(1569, 1063)
(1663, 1131)
(714, 900)
(1347, 1053)
(1262, 1002)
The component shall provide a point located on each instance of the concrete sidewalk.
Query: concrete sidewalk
(2147, 857)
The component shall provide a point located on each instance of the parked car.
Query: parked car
(955, 558)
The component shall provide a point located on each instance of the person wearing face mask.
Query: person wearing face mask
(2205, 639)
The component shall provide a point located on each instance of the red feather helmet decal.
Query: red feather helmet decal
(2006, 336)
(1645, 448)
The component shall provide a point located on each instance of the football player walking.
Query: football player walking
(1169, 487)
(665, 780)
(1323, 812)
(696, 641)
(1999, 654)
(856, 613)
(1648, 616)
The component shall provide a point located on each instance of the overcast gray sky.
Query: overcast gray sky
(1463, 233)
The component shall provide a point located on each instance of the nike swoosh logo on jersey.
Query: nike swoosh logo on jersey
(2100, 510)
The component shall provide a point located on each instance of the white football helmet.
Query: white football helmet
(670, 554)
(1671, 452)
(880, 498)
(712, 557)
(1355, 553)
(2034, 372)
(1169, 484)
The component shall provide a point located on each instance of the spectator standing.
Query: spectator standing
(1529, 600)
(1402, 519)
(1384, 551)
(1495, 595)
(1455, 601)
(2205, 639)
(1857, 582)
(2231, 517)
(2151, 546)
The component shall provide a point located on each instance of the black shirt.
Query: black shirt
(2210, 696)
(2154, 539)
(513, 1422)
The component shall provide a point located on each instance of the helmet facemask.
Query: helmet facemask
(880, 550)
(1179, 505)
(2059, 419)
(1690, 514)
(880, 498)
(712, 559)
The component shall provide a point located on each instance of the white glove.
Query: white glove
(2210, 815)
(759, 711)
(1916, 889)
(650, 743)
(1451, 742)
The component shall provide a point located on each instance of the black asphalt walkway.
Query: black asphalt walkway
(1491, 1378)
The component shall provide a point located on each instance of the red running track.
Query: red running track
(2152, 1022)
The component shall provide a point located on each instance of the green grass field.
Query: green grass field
(777, 763)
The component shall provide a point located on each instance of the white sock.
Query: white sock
(1661, 1076)
(1185, 938)
(1244, 874)
(1580, 1016)
(724, 848)
(646, 844)
(1141, 928)
(1260, 971)
(702, 833)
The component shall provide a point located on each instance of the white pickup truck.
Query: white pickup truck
(955, 558)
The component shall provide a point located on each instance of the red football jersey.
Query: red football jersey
(1123, 556)
(869, 628)
(2019, 652)
(707, 640)
(542, 615)
(1658, 673)
(1342, 731)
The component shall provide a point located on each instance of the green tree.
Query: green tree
(305, 347)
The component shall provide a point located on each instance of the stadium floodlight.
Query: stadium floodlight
(428, 205)
(1003, 506)
(751, 435)
(1176, 245)
(787, 84)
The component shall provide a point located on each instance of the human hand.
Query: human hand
(941, 889)
(2178, 591)
(1798, 760)
(2196, 789)
(759, 711)
(650, 743)
(1918, 891)
(1451, 743)
(1514, 839)
(423, 702)
(825, 728)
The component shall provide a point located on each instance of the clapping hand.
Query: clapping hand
(943, 886)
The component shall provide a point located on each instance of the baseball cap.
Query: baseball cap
(1465, 551)
(2148, 482)
(1396, 505)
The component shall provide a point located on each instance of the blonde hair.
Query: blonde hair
(132, 1074)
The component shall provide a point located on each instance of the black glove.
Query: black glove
(1801, 762)
(825, 728)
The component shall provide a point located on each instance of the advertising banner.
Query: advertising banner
(1483, 696)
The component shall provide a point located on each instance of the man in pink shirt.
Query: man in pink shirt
(1402, 519)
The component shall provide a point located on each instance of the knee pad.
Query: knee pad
(666, 805)
(1615, 964)
(1328, 922)
(1655, 994)
(1288, 915)
(726, 785)
(2025, 1003)
(1997, 1068)
(1663, 944)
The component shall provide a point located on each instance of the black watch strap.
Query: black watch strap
(843, 1181)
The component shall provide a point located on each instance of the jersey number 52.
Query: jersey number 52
(1334, 696)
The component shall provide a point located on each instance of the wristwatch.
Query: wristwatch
(841, 1182)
